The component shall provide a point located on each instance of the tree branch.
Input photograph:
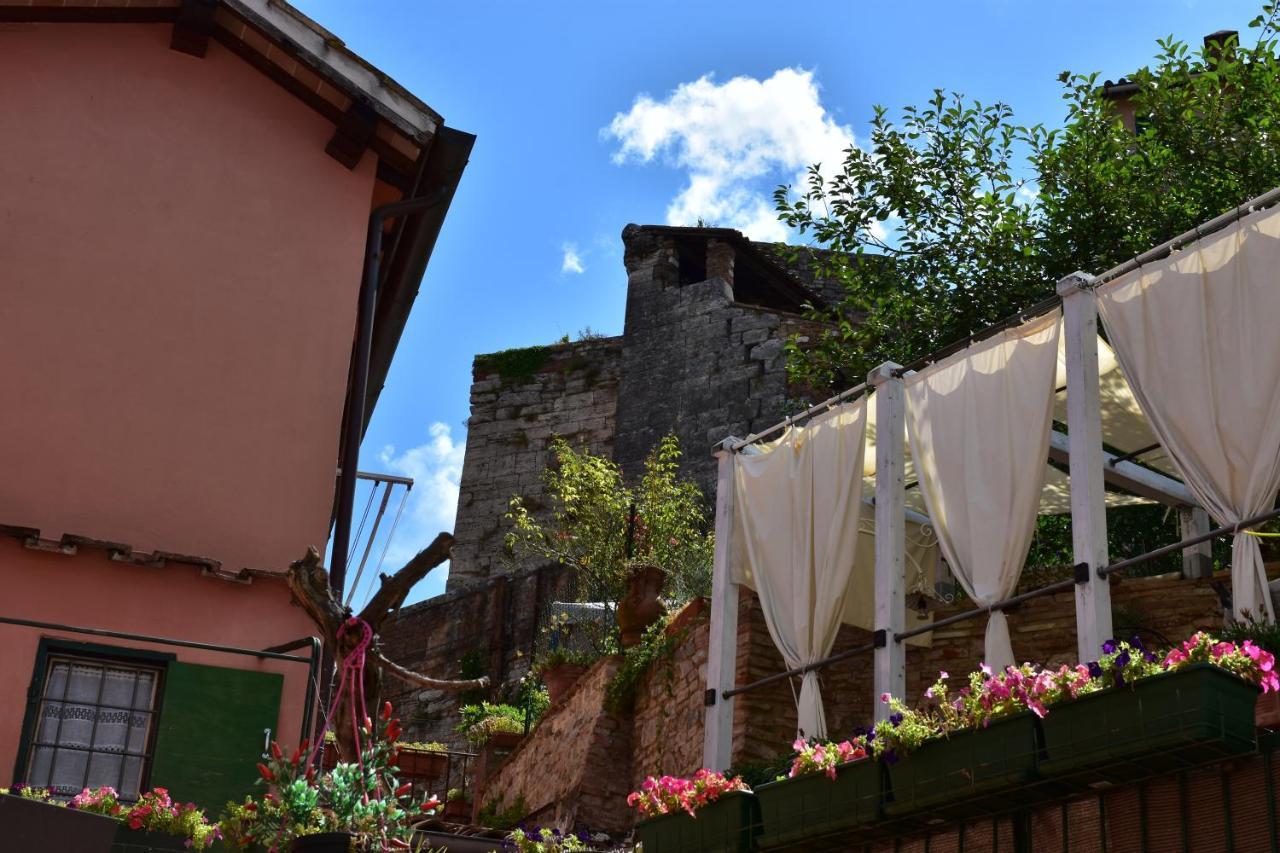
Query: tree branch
(411, 677)
(394, 588)
(309, 583)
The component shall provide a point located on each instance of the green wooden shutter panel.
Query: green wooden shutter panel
(210, 734)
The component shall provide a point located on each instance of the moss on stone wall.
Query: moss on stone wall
(514, 365)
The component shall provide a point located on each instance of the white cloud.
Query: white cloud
(737, 141)
(436, 469)
(572, 262)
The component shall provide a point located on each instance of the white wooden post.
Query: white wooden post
(1088, 489)
(890, 665)
(722, 648)
(1197, 561)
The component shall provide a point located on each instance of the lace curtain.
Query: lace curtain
(93, 727)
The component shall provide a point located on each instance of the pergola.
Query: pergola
(1102, 432)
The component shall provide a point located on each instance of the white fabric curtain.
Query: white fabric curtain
(979, 426)
(797, 506)
(1197, 336)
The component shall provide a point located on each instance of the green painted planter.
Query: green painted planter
(980, 764)
(35, 825)
(812, 806)
(729, 825)
(139, 841)
(1162, 724)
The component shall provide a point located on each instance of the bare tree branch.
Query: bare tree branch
(394, 588)
(410, 677)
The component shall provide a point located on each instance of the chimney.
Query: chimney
(720, 257)
(1220, 44)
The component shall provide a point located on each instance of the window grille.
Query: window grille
(94, 726)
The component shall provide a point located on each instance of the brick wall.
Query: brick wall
(669, 710)
(495, 621)
(572, 770)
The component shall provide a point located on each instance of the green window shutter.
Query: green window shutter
(210, 733)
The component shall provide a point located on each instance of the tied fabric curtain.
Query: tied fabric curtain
(979, 426)
(1197, 336)
(797, 506)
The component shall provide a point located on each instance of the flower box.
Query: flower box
(422, 764)
(814, 805)
(1163, 723)
(141, 841)
(728, 825)
(964, 767)
(27, 824)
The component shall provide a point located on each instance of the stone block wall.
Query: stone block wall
(493, 624)
(571, 771)
(520, 400)
(694, 360)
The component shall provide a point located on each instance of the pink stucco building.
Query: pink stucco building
(186, 192)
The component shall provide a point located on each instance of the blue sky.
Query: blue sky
(590, 115)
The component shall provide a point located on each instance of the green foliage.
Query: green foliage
(471, 666)
(483, 721)
(987, 214)
(493, 816)
(515, 365)
(365, 799)
(756, 773)
(1265, 635)
(546, 840)
(655, 647)
(601, 528)
(984, 215)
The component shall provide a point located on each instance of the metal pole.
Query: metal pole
(786, 422)
(353, 427)
(368, 545)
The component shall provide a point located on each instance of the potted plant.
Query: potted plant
(359, 804)
(832, 787)
(456, 805)
(642, 605)
(30, 820)
(559, 670)
(422, 760)
(710, 813)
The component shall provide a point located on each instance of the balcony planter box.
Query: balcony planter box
(1160, 724)
(32, 825)
(324, 842)
(141, 841)
(729, 825)
(978, 764)
(814, 805)
(422, 764)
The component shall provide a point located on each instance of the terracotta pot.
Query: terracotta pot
(458, 810)
(642, 605)
(560, 680)
(1266, 714)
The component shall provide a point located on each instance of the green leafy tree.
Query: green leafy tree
(955, 217)
(602, 528)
